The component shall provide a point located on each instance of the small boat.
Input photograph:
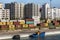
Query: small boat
(42, 34)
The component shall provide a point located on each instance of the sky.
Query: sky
(54, 3)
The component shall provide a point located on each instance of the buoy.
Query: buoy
(16, 37)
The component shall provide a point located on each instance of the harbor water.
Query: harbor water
(52, 37)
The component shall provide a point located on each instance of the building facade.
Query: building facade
(5, 15)
(44, 13)
(1, 6)
(54, 13)
(16, 10)
(31, 10)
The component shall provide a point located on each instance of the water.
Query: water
(53, 37)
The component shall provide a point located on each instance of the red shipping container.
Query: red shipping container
(4, 27)
(42, 24)
(57, 23)
(16, 23)
(18, 26)
(54, 21)
(31, 25)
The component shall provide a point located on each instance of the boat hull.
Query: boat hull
(36, 35)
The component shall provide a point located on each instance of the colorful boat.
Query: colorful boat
(42, 34)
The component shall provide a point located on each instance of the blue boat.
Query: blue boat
(42, 34)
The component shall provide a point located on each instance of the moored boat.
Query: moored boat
(42, 34)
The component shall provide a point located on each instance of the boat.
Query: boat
(34, 35)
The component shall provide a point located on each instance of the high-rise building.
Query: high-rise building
(55, 13)
(6, 14)
(44, 13)
(16, 10)
(1, 14)
(1, 6)
(31, 10)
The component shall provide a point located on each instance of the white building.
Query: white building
(5, 15)
(16, 10)
(54, 13)
(1, 14)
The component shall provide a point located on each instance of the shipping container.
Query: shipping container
(29, 22)
(11, 27)
(1, 23)
(18, 26)
(54, 21)
(51, 26)
(42, 25)
(16, 23)
(56, 24)
(46, 24)
(4, 23)
(25, 25)
(4, 27)
(29, 19)
(58, 21)
(9, 23)
(48, 21)
(22, 21)
(13, 20)
(31, 26)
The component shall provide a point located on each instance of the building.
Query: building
(51, 13)
(16, 10)
(1, 6)
(44, 14)
(1, 14)
(54, 13)
(31, 10)
(5, 15)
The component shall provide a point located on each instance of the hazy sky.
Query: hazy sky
(41, 2)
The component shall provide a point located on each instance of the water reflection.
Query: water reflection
(38, 38)
(53, 37)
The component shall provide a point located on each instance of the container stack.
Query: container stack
(30, 23)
